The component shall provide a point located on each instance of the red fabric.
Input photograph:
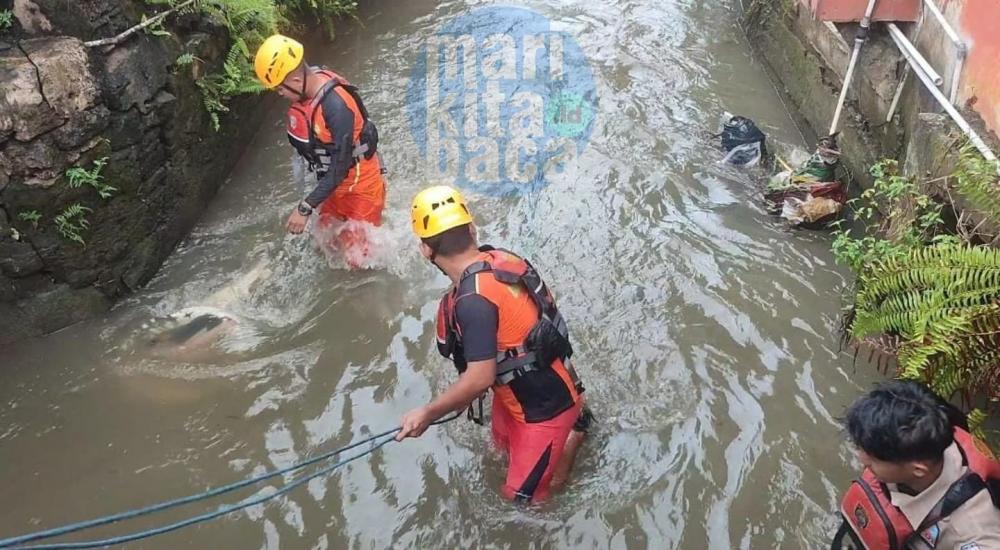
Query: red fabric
(525, 444)
(351, 238)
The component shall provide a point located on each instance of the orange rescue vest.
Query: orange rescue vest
(311, 138)
(871, 520)
(545, 349)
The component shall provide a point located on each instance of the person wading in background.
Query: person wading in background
(329, 127)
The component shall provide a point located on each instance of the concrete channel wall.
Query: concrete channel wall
(808, 59)
(65, 105)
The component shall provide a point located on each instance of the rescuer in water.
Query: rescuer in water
(329, 127)
(500, 326)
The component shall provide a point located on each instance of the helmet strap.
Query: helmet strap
(305, 82)
(433, 262)
(441, 269)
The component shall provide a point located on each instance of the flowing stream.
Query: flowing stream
(706, 332)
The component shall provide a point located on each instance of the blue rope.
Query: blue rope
(132, 514)
(211, 515)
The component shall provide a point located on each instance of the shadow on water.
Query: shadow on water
(705, 332)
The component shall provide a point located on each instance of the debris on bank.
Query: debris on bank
(809, 196)
(812, 195)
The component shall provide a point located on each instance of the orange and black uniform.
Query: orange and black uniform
(501, 309)
(334, 134)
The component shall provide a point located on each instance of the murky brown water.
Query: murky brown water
(704, 331)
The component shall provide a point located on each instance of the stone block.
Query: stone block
(63, 306)
(13, 321)
(35, 164)
(31, 285)
(82, 128)
(7, 295)
(24, 113)
(135, 72)
(124, 129)
(31, 18)
(64, 71)
(18, 259)
(85, 19)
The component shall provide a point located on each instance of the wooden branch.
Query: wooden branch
(132, 30)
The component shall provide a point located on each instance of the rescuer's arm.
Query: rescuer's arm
(340, 120)
(478, 319)
(470, 385)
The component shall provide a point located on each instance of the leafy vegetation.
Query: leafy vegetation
(929, 297)
(234, 79)
(940, 306)
(79, 176)
(72, 221)
(975, 179)
(154, 29)
(185, 59)
(894, 215)
(6, 19)
(30, 216)
(249, 22)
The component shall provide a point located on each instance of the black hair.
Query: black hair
(183, 333)
(452, 242)
(900, 421)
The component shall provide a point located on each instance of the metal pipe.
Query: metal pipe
(898, 95)
(956, 78)
(903, 43)
(859, 40)
(906, 76)
(961, 50)
(932, 7)
(950, 109)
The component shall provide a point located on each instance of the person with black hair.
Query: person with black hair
(927, 483)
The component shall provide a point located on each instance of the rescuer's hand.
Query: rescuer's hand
(415, 423)
(296, 223)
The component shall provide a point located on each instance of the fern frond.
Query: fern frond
(976, 180)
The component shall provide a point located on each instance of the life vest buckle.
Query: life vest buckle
(472, 413)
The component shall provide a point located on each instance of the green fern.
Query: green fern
(248, 22)
(943, 301)
(186, 59)
(6, 19)
(72, 221)
(78, 176)
(30, 216)
(976, 180)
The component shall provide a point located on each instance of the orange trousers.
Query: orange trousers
(345, 205)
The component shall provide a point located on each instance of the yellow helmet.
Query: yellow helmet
(438, 209)
(276, 57)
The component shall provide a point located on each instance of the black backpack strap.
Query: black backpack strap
(473, 269)
(838, 537)
(967, 486)
(993, 486)
(320, 96)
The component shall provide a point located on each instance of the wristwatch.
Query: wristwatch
(304, 208)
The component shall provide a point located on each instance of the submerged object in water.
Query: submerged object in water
(196, 330)
(742, 140)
